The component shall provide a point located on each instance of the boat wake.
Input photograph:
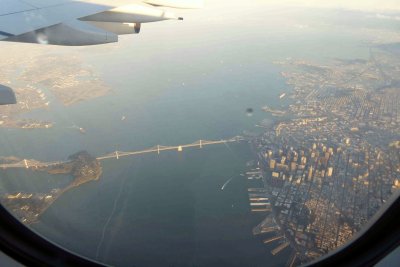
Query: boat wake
(103, 233)
(226, 183)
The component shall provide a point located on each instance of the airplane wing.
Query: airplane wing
(81, 22)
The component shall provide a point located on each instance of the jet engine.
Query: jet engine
(104, 27)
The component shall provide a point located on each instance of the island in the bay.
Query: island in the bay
(28, 206)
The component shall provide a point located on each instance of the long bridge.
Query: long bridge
(29, 163)
(34, 164)
(158, 148)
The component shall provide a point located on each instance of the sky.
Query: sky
(241, 9)
(364, 5)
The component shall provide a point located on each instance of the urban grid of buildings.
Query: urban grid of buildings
(333, 157)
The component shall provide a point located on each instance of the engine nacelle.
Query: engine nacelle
(75, 33)
(116, 27)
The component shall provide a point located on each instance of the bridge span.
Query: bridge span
(29, 163)
(157, 149)
(34, 164)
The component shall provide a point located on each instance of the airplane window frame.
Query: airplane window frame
(379, 237)
(31, 249)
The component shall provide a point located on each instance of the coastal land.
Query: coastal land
(333, 160)
(48, 74)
